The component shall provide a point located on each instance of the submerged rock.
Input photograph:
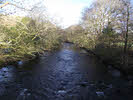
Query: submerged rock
(20, 63)
(7, 74)
(9, 68)
(61, 92)
(25, 95)
(100, 94)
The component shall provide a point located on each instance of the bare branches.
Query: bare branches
(3, 5)
(22, 8)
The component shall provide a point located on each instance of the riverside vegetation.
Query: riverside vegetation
(106, 29)
(22, 38)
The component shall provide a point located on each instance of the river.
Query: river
(66, 74)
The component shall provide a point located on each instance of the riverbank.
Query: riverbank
(18, 62)
(112, 62)
(109, 61)
(25, 40)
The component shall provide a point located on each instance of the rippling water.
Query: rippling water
(67, 74)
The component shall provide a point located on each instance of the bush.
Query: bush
(23, 41)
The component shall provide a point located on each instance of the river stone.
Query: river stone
(62, 92)
(20, 63)
(5, 69)
(6, 74)
(9, 68)
(100, 94)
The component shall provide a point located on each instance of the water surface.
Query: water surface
(67, 74)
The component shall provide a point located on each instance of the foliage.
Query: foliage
(24, 40)
(107, 30)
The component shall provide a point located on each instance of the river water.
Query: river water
(67, 74)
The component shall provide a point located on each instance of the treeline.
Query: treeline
(106, 28)
(28, 36)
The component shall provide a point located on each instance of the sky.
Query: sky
(67, 12)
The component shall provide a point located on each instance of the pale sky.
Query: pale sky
(67, 12)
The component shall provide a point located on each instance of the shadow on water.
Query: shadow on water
(67, 74)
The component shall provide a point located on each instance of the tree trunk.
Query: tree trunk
(126, 39)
